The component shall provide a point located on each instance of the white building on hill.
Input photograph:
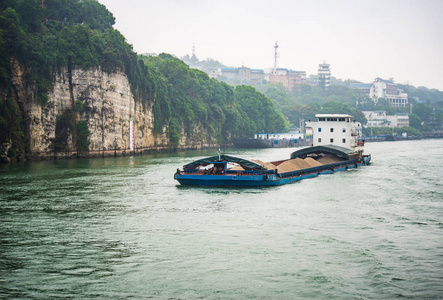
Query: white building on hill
(381, 119)
(381, 88)
(388, 90)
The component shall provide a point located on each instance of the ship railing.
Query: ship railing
(250, 172)
(191, 171)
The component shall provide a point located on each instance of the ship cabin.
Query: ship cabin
(335, 129)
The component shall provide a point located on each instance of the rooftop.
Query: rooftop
(333, 116)
(228, 69)
(360, 85)
(384, 80)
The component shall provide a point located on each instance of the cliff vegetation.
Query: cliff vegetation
(50, 36)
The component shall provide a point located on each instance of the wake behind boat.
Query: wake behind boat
(226, 170)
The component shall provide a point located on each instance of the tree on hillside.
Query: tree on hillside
(333, 107)
(415, 121)
(302, 111)
(423, 111)
(198, 102)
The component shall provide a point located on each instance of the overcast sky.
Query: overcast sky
(361, 40)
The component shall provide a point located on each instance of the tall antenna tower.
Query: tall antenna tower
(275, 58)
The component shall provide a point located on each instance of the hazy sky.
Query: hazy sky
(361, 40)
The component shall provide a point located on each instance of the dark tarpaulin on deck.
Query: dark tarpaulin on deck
(327, 149)
(246, 164)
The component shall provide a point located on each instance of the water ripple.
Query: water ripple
(122, 228)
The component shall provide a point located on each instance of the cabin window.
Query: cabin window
(319, 140)
(321, 119)
(332, 129)
(344, 129)
(344, 141)
(332, 140)
(319, 129)
(341, 119)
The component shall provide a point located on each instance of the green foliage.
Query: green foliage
(11, 127)
(64, 127)
(341, 108)
(305, 101)
(374, 131)
(423, 111)
(78, 33)
(423, 94)
(195, 102)
(42, 98)
(258, 111)
(11, 153)
(62, 32)
(204, 65)
(377, 131)
(174, 133)
(82, 136)
(410, 131)
(78, 106)
(415, 121)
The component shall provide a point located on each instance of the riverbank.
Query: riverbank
(105, 153)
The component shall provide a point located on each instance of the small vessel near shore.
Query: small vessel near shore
(273, 140)
(226, 170)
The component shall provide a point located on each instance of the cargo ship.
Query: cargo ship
(335, 148)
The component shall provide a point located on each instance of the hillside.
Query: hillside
(71, 84)
(306, 101)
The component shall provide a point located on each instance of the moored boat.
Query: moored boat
(273, 140)
(226, 170)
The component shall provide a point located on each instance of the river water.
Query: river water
(122, 228)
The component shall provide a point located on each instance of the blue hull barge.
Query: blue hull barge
(225, 170)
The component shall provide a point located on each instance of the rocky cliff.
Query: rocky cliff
(101, 100)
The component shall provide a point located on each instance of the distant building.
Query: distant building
(312, 80)
(288, 78)
(257, 75)
(381, 119)
(376, 119)
(230, 73)
(381, 88)
(243, 74)
(213, 73)
(365, 88)
(388, 90)
(324, 75)
(399, 120)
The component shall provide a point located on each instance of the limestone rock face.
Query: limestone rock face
(39, 121)
(103, 101)
(106, 105)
